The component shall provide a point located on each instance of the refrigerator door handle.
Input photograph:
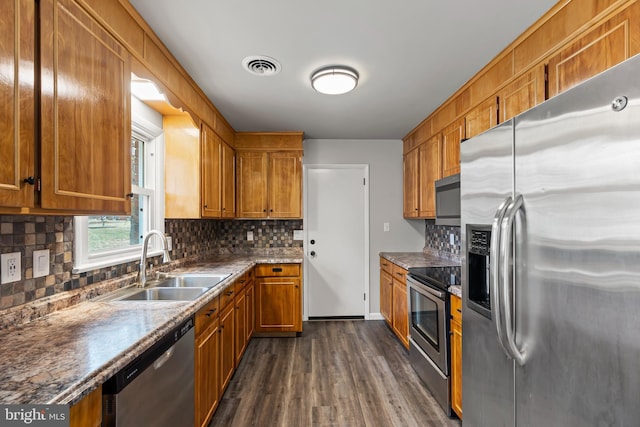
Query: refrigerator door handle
(497, 314)
(506, 253)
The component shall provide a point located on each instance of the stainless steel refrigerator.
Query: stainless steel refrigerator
(550, 225)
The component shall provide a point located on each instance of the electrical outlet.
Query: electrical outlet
(41, 263)
(169, 243)
(298, 234)
(452, 239)
(250, 236)
(11, 267)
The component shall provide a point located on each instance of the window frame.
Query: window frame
(153, 138)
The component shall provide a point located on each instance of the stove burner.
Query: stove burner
(438, 277)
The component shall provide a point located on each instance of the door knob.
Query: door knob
(313, 242)
(312, 253)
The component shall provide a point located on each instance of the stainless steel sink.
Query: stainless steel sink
(165, 294)
(187, 280)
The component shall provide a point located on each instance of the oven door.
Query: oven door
(428, 326)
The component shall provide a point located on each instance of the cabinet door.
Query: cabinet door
(182, 167)
(285, 185)
(17, 74)
(430, 172)
(207, 374)
(278, 304)
(523, 93)
(250, 302)
(456, 356)
(240, 319)
(595, 51)
(88, 411)
(411, 183)
(451, 137)
(400, 311)
(251, 187)
(211, 176)
(386, 295)
(228, 181)
(85, 111)
(227, 353)
(482, 118)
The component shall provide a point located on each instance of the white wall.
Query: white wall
(384, 158)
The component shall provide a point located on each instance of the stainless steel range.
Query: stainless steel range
(429, 327)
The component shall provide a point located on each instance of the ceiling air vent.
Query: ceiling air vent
(261, 65)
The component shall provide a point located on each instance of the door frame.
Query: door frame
(365, 175)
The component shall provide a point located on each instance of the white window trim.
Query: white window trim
(82, 260)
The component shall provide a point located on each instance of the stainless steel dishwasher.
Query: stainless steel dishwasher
(156, 389)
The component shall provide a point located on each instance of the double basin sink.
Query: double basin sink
(169, 287)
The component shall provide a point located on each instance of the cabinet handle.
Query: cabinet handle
(210, 312)
(29, 180)
(276, 269)
(458, 310)
(229, 293)
(128, 195)
(399, 274)
(242, 281)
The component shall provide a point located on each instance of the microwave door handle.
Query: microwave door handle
(507, 282)
(497, 315)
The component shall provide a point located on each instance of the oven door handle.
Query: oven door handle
(497, 315)
(506, 254)
(420, 287)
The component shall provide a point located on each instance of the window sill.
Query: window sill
(96, 265)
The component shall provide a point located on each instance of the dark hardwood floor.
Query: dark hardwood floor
(338, 373)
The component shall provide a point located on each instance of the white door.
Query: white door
(336, 230)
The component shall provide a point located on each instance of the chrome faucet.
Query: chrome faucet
(142, 274)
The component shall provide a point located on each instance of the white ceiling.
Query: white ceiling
(411, 55)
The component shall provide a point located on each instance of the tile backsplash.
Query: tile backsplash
(438, 238)
(191, 238)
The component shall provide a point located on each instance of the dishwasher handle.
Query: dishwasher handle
(164, 358)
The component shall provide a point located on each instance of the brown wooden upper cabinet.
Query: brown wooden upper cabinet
(218, 176)
(85, 121)
(17, 140)
(422, 168)
(411, 183)
(268, 174)
(452, 135)
(523, 93)
(600, 48)
(269, 184)
(482, 118)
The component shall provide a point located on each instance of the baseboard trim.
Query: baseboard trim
(376, 316)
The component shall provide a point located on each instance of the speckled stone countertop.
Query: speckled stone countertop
(425, 259)
(62, 356)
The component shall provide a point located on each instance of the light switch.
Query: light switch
(298, 234)
(386, 226)
(40, 263)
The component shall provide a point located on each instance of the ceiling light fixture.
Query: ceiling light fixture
(334, 80)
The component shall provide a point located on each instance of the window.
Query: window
(102, 241)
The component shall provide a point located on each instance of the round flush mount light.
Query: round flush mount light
(334, 80)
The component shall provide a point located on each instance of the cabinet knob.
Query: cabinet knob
(229, 293)
(30, 180)
(206, 206)
(264, 210)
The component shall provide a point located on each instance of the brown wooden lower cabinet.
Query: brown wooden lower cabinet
(456, 355)
(88, 411)
(240, 320)
(393, 299)
(227, 338)
(278, 298)
(207, 373)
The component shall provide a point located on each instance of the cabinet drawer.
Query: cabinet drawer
(207, 314)
(385, 265)
(277, 270)
(240, 283)
(399, 273)
(227, 296)
(456, 308)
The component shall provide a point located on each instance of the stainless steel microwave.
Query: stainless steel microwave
(448, 200)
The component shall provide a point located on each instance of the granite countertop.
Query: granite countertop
(407, 260)
(62, 356)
